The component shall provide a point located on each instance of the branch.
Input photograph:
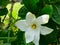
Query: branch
(4, 18)
(10, 16)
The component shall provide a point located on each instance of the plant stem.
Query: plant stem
(10, 16)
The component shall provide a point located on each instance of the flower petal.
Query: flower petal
(36, 38)
(43, 19)
(45, 30)
(29, 35)
(30, 18)
(21, 24)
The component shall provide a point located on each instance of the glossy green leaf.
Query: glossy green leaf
(48, 9)
(56, 14)
(22, 12)
(31, 5)
(3, 11)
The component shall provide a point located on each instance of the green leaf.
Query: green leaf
(20, 39)
(47, 39)
(3, 11)
(56, 14)
(48, 9)
(22, 12)
(3, 3)
(16, 8)
(52, 37)
(54, 1)
(47, 1)
(7, 44)
(31, 5)
(51, 1)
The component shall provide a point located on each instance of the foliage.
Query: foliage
(3, 3)
(8, 18)
(4, 10)
(22, 12)
(56, 13)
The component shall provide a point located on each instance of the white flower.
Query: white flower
(32, 27)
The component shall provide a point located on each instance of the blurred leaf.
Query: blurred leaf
(56, 14)
(48, 39)
(51, 1)
(3, 11)
(52, 37)
(3, 3)
(16, 8)
(7, 44)
(55, 1)
(3, 33)
(31, 5)
(48, 9)
(47, 1)
(20, 39)
(2, 25)
(22, 12)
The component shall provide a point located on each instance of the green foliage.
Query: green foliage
(55, 1)
(56, 13)
(16, 8)
(37, 7)
(3, 11)
(31, 5)
(4, 33)
(50, 38)
(51, 1)
(22, 12)
(19, 39)
(48, 9)
(3, 3)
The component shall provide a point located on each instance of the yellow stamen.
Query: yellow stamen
(33, 26)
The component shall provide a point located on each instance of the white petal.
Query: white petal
(43, 19)
(30, 18)
(21, 24)
(45, 30)
(29, 35)
(36, 38)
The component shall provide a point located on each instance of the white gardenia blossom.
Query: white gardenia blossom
(32, 27)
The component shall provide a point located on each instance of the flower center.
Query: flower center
(33, 26)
